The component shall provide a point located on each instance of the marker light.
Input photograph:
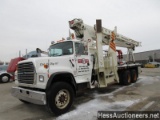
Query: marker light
(72, 36)
(45, 66)
(60, 41)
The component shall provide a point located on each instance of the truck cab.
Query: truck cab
(68, 63)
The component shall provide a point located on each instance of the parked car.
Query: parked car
(157, 64)
(149, 65)
(152, 65)
(4, 75)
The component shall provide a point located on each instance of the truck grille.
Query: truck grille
(26, 73)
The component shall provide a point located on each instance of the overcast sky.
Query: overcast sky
(28, 24)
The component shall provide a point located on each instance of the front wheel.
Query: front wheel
(4, 78)
(60, 97)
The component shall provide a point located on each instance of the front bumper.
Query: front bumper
(31, 96)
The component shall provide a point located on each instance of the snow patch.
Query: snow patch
(148, 80)
(109, 94)
(90, 108)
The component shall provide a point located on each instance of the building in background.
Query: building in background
(146, 56)
(2, 63)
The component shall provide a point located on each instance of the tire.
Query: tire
(24, 101)
(60, 98)
(126, 77)
(120, 74)
(4, 78)
(133, 76)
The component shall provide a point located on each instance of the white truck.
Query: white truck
(73, 65)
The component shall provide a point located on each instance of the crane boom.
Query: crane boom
(121, 41)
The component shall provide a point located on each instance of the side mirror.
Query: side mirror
(38, 50)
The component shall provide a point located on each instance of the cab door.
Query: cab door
(83, 63)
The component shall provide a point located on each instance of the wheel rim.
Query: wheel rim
(5, 78)
(135, 77)
(62, 99)
(129, 79)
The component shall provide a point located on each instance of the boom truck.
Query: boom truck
(73, 65)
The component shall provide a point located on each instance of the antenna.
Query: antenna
(26, 54)
(19, 53)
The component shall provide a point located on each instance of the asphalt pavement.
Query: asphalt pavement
(140, 96)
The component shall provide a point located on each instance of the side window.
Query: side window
(80, 49)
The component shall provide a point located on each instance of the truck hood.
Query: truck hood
(60, 63)
(34, 60)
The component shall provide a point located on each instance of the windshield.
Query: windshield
(3, 67)
(62, 48)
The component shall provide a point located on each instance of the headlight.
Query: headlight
(41, 78)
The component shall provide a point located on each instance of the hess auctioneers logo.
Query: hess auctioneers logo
(83, 60)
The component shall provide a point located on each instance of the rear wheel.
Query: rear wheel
(120, 74)
(126, 77)
(60, 97)
(4, 78)
(133, 76)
